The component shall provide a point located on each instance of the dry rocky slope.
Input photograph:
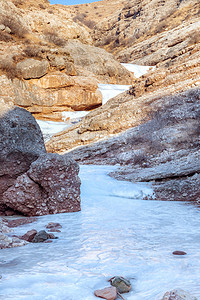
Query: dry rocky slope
(148, 32)
(164, 150)
(47, 62)
(161, 110)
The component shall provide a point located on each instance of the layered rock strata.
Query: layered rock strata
(131, 108)
(163, 149)
(43, 69)
(149, 32)
(33, 182)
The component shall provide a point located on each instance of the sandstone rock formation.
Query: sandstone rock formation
(42, 69)
(148, 32)
(131, 108)
(162, 147)
(32, 68)
(90, 14)
(98, 62)
(33, 182)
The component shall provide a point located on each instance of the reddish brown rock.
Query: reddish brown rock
(54, 230)
(21, 143)
(52, 236)
(50, 186)
(19, 221)
(29, 236)
(53, 225)
(109, 293)
(178, 252)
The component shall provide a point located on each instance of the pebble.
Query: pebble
(122, 284)
(177, 252)
(109, 293)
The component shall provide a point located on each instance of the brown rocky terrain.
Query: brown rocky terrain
(164, 149)
(148, 32)
(174, 49)
(90, 14)
(42, 69)
(130, 109)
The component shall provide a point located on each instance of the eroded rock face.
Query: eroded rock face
(32, 68)
(50, 185)
(164, 149)
(57, 69)
(98, 62)
(149, 32)
(49, 96)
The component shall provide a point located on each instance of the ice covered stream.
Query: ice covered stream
(116, 233)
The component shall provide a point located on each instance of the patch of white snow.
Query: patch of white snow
(111, 90)
(137, 69)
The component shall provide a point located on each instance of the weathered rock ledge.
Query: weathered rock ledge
(164, 149)
(47, 63)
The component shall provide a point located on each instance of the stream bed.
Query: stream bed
(116, 233)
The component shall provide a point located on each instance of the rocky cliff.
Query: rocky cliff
(48, 64)
(164, 149)
(131, 108)
(148, 32)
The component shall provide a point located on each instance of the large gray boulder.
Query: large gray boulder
(21, 143)
(33, 182)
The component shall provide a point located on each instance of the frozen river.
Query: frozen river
(116, 233)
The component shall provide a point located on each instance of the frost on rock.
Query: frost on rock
(178, 294)
(7, 241)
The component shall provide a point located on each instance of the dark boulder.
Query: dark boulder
(21, 142)
(40, 237)
(33, 182)
(50, 186)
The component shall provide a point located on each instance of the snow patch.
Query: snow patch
(73, 115)
(137, 70)
(111, 90)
